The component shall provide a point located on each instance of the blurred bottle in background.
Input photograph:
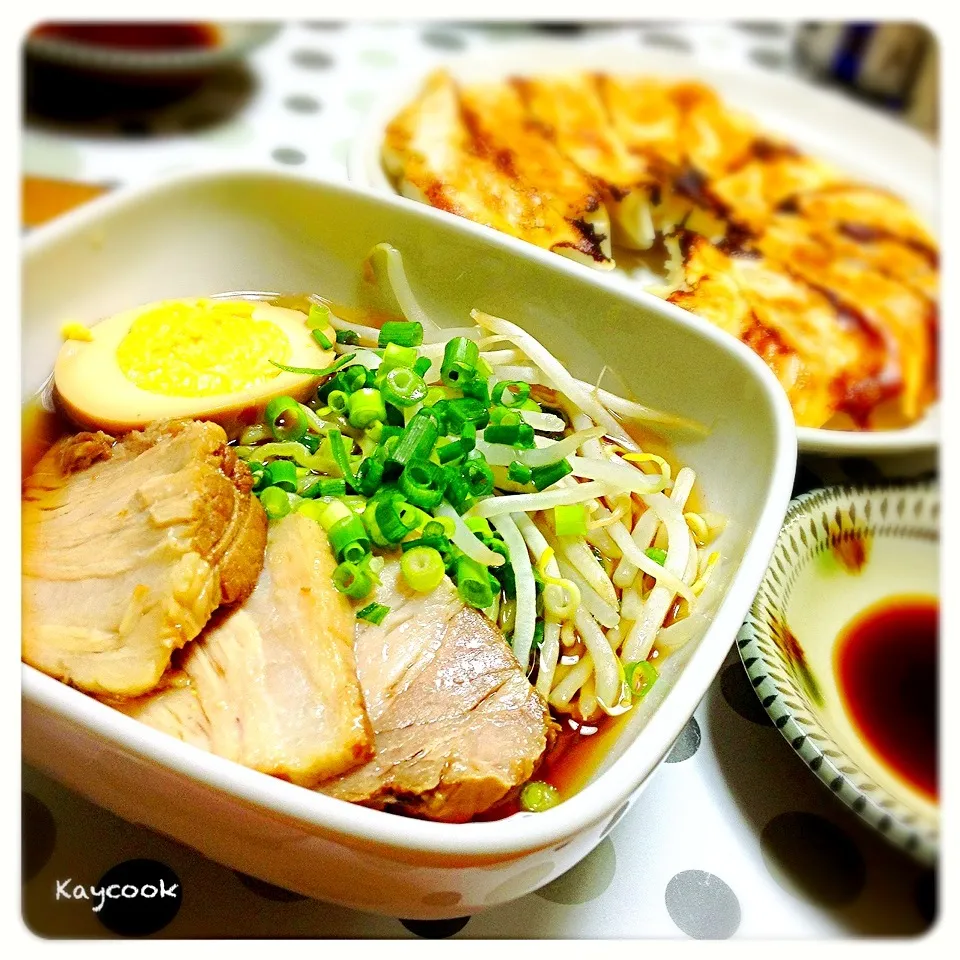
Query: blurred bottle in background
(891, 64)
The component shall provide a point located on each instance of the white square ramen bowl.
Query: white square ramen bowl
(205, 233)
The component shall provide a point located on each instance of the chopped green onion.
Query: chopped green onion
(457, 413)
(640, 677)
(406, 333)
(351, 579)
(311, 441)
(285, 419)
(395, 356)
(460, 357)
(484, 370)
(435, 395)
(439, 527)
(532, 406)
(505, 416)
(423, 483)
(451, 451)
(326, 487)
(374, 613)
(519, 472)
(515, 390)
(656, 555)
(479, 525)
(275, 502)
(476, 471)
(365, 406)
(322, 339)
(458, 490)
(350, 337)
(312, 371)
(473, 583)
(337, 400)
(335, 511)
(549, 474)
(395, 518)
(423, 568)
(403, 388)
(421, 366)
(369, 476)
(516, 435)
(318, 316)
(570, 520)
(477, 389)
(258, 471)
(537, 636)
(282, 474)
(312, 509)
(349, 540)
(354, 378)
(339, 453)
(537, 796)
(416, 442)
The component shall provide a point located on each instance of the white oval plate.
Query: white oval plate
(869, 144)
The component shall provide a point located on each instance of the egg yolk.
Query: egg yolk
(201, 349)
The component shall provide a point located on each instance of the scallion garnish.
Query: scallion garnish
(321, 338)
(656, 555)
(460, 357)
(340, 458)
(519, 472)
(570, 520)
(478, 475)
(550, 473)
(416, 442)
(282, 474)
(403, 388)
(423, 483)
(510, 393)
(349, 540)
(286, 419)
(406, 333)
(423, 568)
(275, 502)
(374, 613)
(396, 356)
(538, 796)
(312, 372)
(349, 337)
(352, 579)
(364, 406)
(640, 677)
(326, 487)
(473, 583)
(517, 435)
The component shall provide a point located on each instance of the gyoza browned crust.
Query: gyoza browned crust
(433, 157)
(833, 283)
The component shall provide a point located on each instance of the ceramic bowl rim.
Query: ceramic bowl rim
(807, 736)
(519, 835)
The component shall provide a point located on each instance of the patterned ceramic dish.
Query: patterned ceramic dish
(841, 551)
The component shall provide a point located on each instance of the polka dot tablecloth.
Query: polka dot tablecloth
(732, 838)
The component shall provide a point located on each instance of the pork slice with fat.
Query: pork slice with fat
(272, 684)
(129, 546)
(458, 725)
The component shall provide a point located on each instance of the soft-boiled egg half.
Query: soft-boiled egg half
(206, 359)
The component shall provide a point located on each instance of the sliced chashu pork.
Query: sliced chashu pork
(458, 725)
(272, 684)
(128, 548)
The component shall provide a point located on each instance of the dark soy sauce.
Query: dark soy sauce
(886, 666)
